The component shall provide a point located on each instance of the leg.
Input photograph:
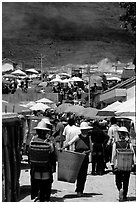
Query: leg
(42, 190)
(118, 180)
(126, 183)
(81, 179)
(93, 164)
(118, 177)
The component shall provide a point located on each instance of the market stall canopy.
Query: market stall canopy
(127, 107)
(61, 108)
(44, 100)
(39, 106)
(19, 72)
(112, 107)
(32, 71)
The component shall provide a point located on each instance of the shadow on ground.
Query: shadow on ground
(132, 198)
(71, 196)
(25, 190)
(84, 195)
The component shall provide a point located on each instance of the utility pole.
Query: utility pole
(89, 93)
(41, 62)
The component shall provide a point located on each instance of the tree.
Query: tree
(128, 18)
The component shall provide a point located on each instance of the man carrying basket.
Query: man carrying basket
(82, 145)
(42, 159)
(123, 158)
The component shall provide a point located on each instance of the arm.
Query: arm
(74, 139)
(110, 136)
(113, 155)
(134, 157)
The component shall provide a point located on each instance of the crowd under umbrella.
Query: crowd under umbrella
(39, 107)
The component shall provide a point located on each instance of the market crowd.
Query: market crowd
(98, 140)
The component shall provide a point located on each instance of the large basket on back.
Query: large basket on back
(69, 164)
(39, 153)
(124, 159)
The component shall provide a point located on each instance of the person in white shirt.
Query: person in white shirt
(113, 131)
(113, 135)
(70, 131)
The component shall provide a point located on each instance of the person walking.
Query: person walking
(42, 170)
(69, 132)
(98, 138)
(113, 136)
(82, 145)
(121, 177)
(58, 134)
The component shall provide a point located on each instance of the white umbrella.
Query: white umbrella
(75, 79)
(19, 72)
(32, 71)
(56, 80)
(65, 80)
(113, 78)
(44, 100)
(39, 106)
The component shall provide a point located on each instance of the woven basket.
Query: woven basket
(124, 159)
(69, 164)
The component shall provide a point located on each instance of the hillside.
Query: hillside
(64, 33)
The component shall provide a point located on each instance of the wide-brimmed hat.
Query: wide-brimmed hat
(123, 129)
(85, 126)
(46, 120)
(41, 126)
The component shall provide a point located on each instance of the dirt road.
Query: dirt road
(97, 189)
